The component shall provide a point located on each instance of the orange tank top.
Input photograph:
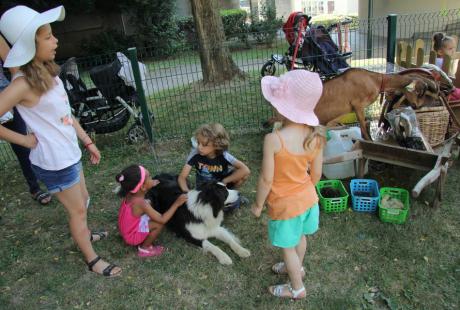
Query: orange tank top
(292, 191)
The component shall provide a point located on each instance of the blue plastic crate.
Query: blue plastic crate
(368, 202)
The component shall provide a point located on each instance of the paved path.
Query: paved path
(183, 74)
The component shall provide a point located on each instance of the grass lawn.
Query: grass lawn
(353, 262)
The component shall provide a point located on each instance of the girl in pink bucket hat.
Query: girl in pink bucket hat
(291, 166)
(39, 96)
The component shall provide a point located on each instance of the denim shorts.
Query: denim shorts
(59, 180)
(287, 233)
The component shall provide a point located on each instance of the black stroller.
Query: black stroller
(106, 108)
(312, 48)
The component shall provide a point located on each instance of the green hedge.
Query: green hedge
(233, 21)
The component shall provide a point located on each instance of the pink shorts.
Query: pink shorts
(135, 238)
(139, 235)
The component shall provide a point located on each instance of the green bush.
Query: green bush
(104, 42)
(234, 22)
(155, 25)
(235, 26)
(187, 31)
(264, 30)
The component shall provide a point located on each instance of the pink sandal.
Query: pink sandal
(150, 251)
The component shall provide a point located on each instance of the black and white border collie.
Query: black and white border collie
(201, 217)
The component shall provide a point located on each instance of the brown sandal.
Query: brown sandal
(107, 272)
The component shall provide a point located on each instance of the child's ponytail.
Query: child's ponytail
(317, 138)
(438, 39)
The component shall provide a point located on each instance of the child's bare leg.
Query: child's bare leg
(83, 189)
(155, 230)
(301, 248)
(293, 265)
(85, 195)
(73, 201)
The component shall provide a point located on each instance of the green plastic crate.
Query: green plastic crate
(338, 204)
(396, 216)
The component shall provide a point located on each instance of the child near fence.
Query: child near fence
(39, 96)
(291, 166)
(17, 124)
(445, 45)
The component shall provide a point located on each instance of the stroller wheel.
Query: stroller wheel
(136, 134)
(268, 68)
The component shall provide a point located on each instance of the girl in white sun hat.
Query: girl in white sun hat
(291, 166)
(39, 96)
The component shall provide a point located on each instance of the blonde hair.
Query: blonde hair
(440, 39)
(318, 134)
(317, 137)
(216, 134)
(40, 76)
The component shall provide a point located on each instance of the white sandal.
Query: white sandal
(278, 290)
(280, 268)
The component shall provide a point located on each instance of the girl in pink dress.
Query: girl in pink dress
(445, 45)
(139, 224)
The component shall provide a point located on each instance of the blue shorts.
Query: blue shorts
(287, 233)
(59, 180)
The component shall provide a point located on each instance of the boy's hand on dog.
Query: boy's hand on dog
(181, 200)
(256, 210)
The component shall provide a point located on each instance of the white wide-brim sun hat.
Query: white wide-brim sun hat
(19, 26)
(294, 95)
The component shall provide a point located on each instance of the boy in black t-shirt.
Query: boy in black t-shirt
(212, 162)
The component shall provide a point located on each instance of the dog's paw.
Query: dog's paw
(225, 260)
(244, 252)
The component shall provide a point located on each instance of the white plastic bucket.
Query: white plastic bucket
(341, 141)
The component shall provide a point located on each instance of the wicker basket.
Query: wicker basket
(433, 122)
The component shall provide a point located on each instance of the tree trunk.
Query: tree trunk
(216, 62)
(255, 10)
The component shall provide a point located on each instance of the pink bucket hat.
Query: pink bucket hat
(294, 95)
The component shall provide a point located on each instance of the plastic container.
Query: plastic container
(390, 215)
(341, 141)
(338, 204)
(364, 195)
(348, 118)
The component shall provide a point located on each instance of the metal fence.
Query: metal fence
(180, 102)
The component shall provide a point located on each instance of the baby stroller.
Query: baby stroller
(106, 108)
(312, 48)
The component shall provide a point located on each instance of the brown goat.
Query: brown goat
(353, 91)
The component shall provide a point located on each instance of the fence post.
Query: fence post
(370, 14)
(391, 38)
(132, 55)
